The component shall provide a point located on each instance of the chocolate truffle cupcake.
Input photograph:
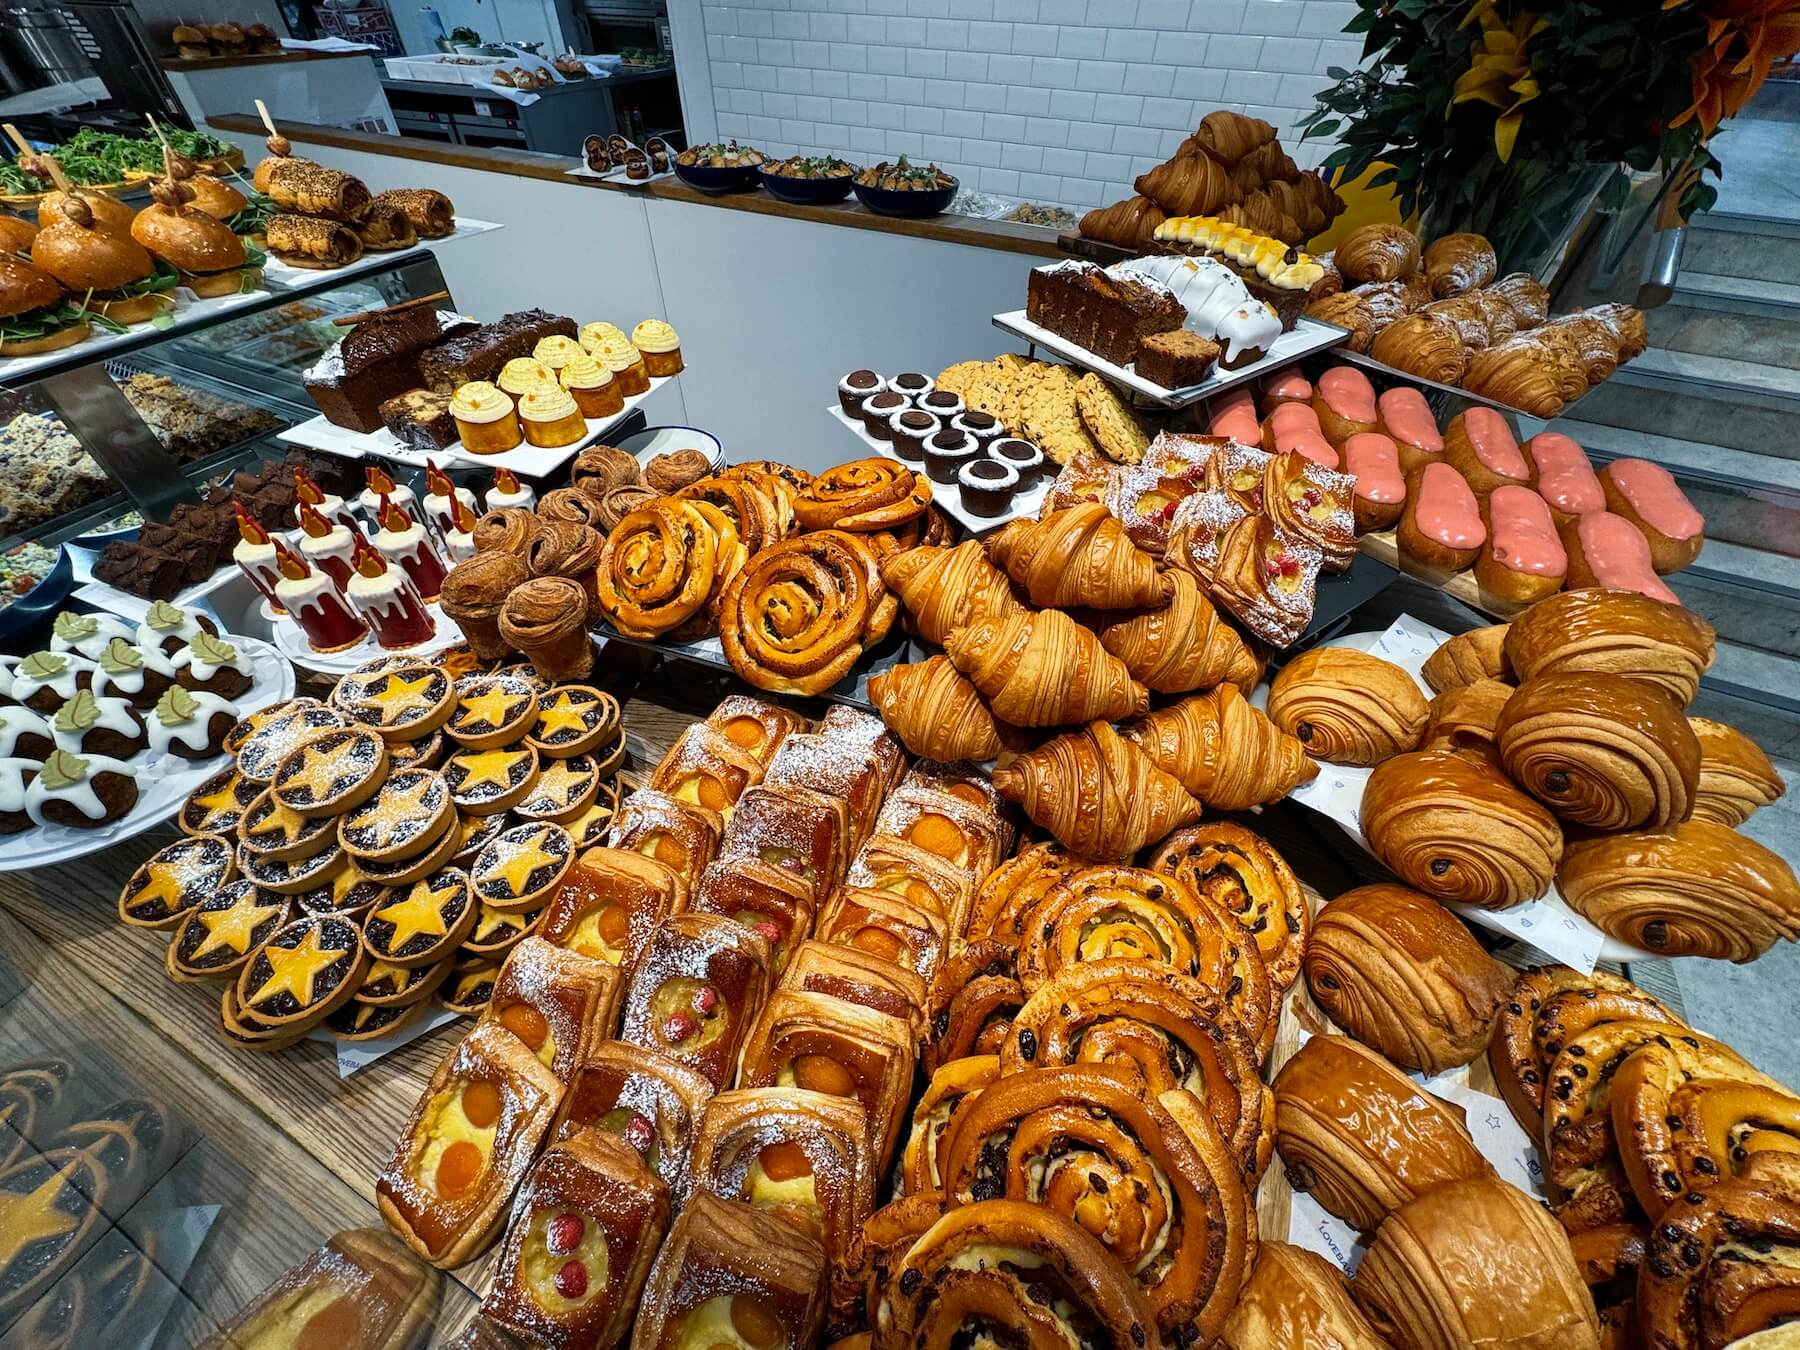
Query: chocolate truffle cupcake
(878, 412)
(946, 452)
(912, 385)
(943, 405)
(108, 727)
(910, 430)
(855, 387)
(1022, 455)
(987, 487)
(984, 427)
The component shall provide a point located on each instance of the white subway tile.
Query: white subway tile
(848, 56)
(1051, 73)
(924, 119)
(865, 28)
(986, 38)
(764, 128)
(1290, 53)
(831, 83)
(1170, 112)
(904, 143)
(1018, 11)
(1035, 39)
(865, 140)
(887, 6)
(715, 48)
(1123, 109)
(1005, 68)
(928, 9)
(1226, 52)
(1079, 191)
(720, 19)
(1081, 44)
(985, 154)
(812, 54)
(787, 23)
(865, 86)
(924, 63)
(1062, 161)
(1343, 52)
(1273, 18)
(1073, 104)
(1171, 141)
(1114, 13)
(885, 60)
(890, 116)
(734, 124)
(830, 27)
(1299, 91)
(947, 33)
(963, 122)
(1151, 81)
(1028, 158)
(941, 148)
(1142, 164)
(728, 74)
(1216, 16)
(1040, 187)
(945, 93)
(986, 97)
(738, 100)
(1105, 77)
(743, 49)
(1128, 44)
(1200, 84)
(998, 180)
(1003, 127)
(1252, 86)
(1090, 135)
(1325, 18)
(798, 131)
(780, 105)
(1046, 131)
(1062, 11)
(759, 76)
(1028, 99)
(779, 149)
(907, 32)
(849, 112)
(814, 109)
(1163, 14)
(966, 65)
(905, 89)
(1181, 49)
(971, 9)
(793, 80)
(775, 51)
(1114, 167)
(755, 23)
(1136, 140)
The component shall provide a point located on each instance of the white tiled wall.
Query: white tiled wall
(1055, 100)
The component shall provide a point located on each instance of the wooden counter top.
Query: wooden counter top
(1004, 235)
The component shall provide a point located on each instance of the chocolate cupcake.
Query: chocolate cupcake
(878, 411)
(984, 427)
(83, 791)
(912, 385)
(910, 430)
(1021, 455)
(947, 452)
(987, 487)
(943, 405)
(855, 387)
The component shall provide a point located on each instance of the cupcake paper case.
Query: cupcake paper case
(660, 346)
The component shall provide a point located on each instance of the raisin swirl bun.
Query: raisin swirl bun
(1402, 974)
(1459, 830)
(1347, 707)
(1604, 751)
(1244, 875)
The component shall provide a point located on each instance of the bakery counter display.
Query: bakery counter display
(1466, 504)
(359, 860)
(526, 392)
(1439, 314)
(105, 731)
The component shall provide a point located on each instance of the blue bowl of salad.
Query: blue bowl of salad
(34, 607)
(720, 168)
(809, 180)
(904, 189)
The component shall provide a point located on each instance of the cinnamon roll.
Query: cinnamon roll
(1736, 777)
(1459, 831)
(1614, 633)
(974, 1000)
(952, 1090)
(803, 610)
(657, 568)
(1012, 890)
(1346, 706)
(1243, 874)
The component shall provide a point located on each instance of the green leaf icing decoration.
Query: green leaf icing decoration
(43, 666)
(162, 615)
(78, 714)
(176, 706)
(120, 658)
(73, 627)
(208, 650)
(63, 770)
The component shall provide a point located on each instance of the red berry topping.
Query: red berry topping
(706, 999)
(564, 1233)
(639, 1133)
(1311, 497)
(767, 931)
(1272, 568)
(1290, 565)
(572, 1279)
(679, 1027)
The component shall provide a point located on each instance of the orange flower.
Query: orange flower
(1746, 39)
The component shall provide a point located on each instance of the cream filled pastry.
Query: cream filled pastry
(1607, 550)
(1233, 414)
(1295, 426)
(1648, 496)
(1525, 559)
(1374, 461)
(1287, 385)
(1564, 478)
(1407, 419)
(1482, 447)
(1345, 403)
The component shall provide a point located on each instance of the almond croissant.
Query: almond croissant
(1078, 557)
(1224, 751)
(1182, 647)
(1042, 669)
(1423, 345)
(1191, 184)
(938, 713)
(1130, 223)
(948, 588)
(1099, 795)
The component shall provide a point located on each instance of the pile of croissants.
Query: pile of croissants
(1441, 311)
(1232, 167)
(1559, 749)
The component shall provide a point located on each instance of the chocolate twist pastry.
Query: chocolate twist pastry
(1723, 1267)
(1463, 719)
(1455, 263)
(944, 589)
(1361, 1137)
(508, 530)
(1102, 913)
(1614, 633)
(1099, 795)
(953, 1088)
(865, 494)
(1549, 1005)
(1223, 750)
(1085, 1144)
(1347, 707)
(973, 1002)
(1479, 654)
(1402, 974)
(546, 619)
(1078, 557)
(1242, 874)
(1433, 1278)
(1012, 890)
(1459, 831)
(939, 714)
(473, 593)
(1296, 1300)
(1699, 889)
(657, 568)
(1348, 310)
(618, 502)
(569, 505)
(801, 612)
(1604, 751)
(1063, 1288)
(1736, 777)
(1183, 646)
(1167, 1029)
(600, 468)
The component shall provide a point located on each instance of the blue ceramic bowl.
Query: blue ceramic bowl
(898, 202)
(809, 191)
(35, 608)
(706, 178)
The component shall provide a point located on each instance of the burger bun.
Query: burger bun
(88, 259)
(190, 241)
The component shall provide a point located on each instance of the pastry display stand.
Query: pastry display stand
(1306, 336)
(189, 312)
(1025, 503)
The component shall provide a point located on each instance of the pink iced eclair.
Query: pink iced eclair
(1233, 414)
(1441, 526)
(1608, 550)
(1407, 420)
(1380, 494)
(1563, 477)
(1345, 402)
(1295, 426)
(1648, 496)
(1524, 560)
(1482, 447)
(1287, 385)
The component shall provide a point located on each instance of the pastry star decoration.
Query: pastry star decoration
(421, 912)
(232, 927)
(489, 766)
(164, 882)
(523, 861)
(563, 713)
(295, 970)
(392, 701)
(225, 799)
(324, 769)
(398, 806)
(493, 707)
(564, 781)
(25, 1219)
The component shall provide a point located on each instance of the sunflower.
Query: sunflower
(1499, 71)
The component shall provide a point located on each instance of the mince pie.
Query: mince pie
(483, 782)
(565, 788)
(275, 733)
(218, 935)
(332, 773)
(271, 830)
(492, 710)
(304, 972)
(175, 880)
(574, 719)
(522, 868)
(402, 703)
(410, 812)
(426, 925)
(219, 804)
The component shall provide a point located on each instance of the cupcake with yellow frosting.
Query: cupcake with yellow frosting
(522, 374)
(550, 417)
(593, 334)
(555, 351)
(485, 418)
(660, 347)
(592, 386)
(626, 364)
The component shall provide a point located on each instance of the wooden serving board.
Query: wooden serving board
(1385, 545)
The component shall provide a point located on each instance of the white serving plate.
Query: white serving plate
(1025, 503)
(164, 781)
(647, 444)
(1307, 336)
(289, 275)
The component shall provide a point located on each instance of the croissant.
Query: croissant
(1459, 830)
(1736, 777)
(1626, 324)
(1078, 557)
(1319, 192)
(1271, 164)
(1292, 199)
(1467, 315)
(1191, 184)
(1229, 136)
(1259, 212)
(1604, 751)
(1378, 253)
(1184, 646)
(1618, 632)
(1520, 373)
(1347, 707)
(1527, 297)
(1098, 794)
(1499, 318)
(1296, 1298)
(1130, 223)
(1390, 300)
(948, 588)
(1348, 310)
(1423, 345)
(1699, 889)
(1462, 719)
(1044, 670)
(1459, 262)
(1593, 343)
(1479, 654)
(1223, 750)
(939, 714)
